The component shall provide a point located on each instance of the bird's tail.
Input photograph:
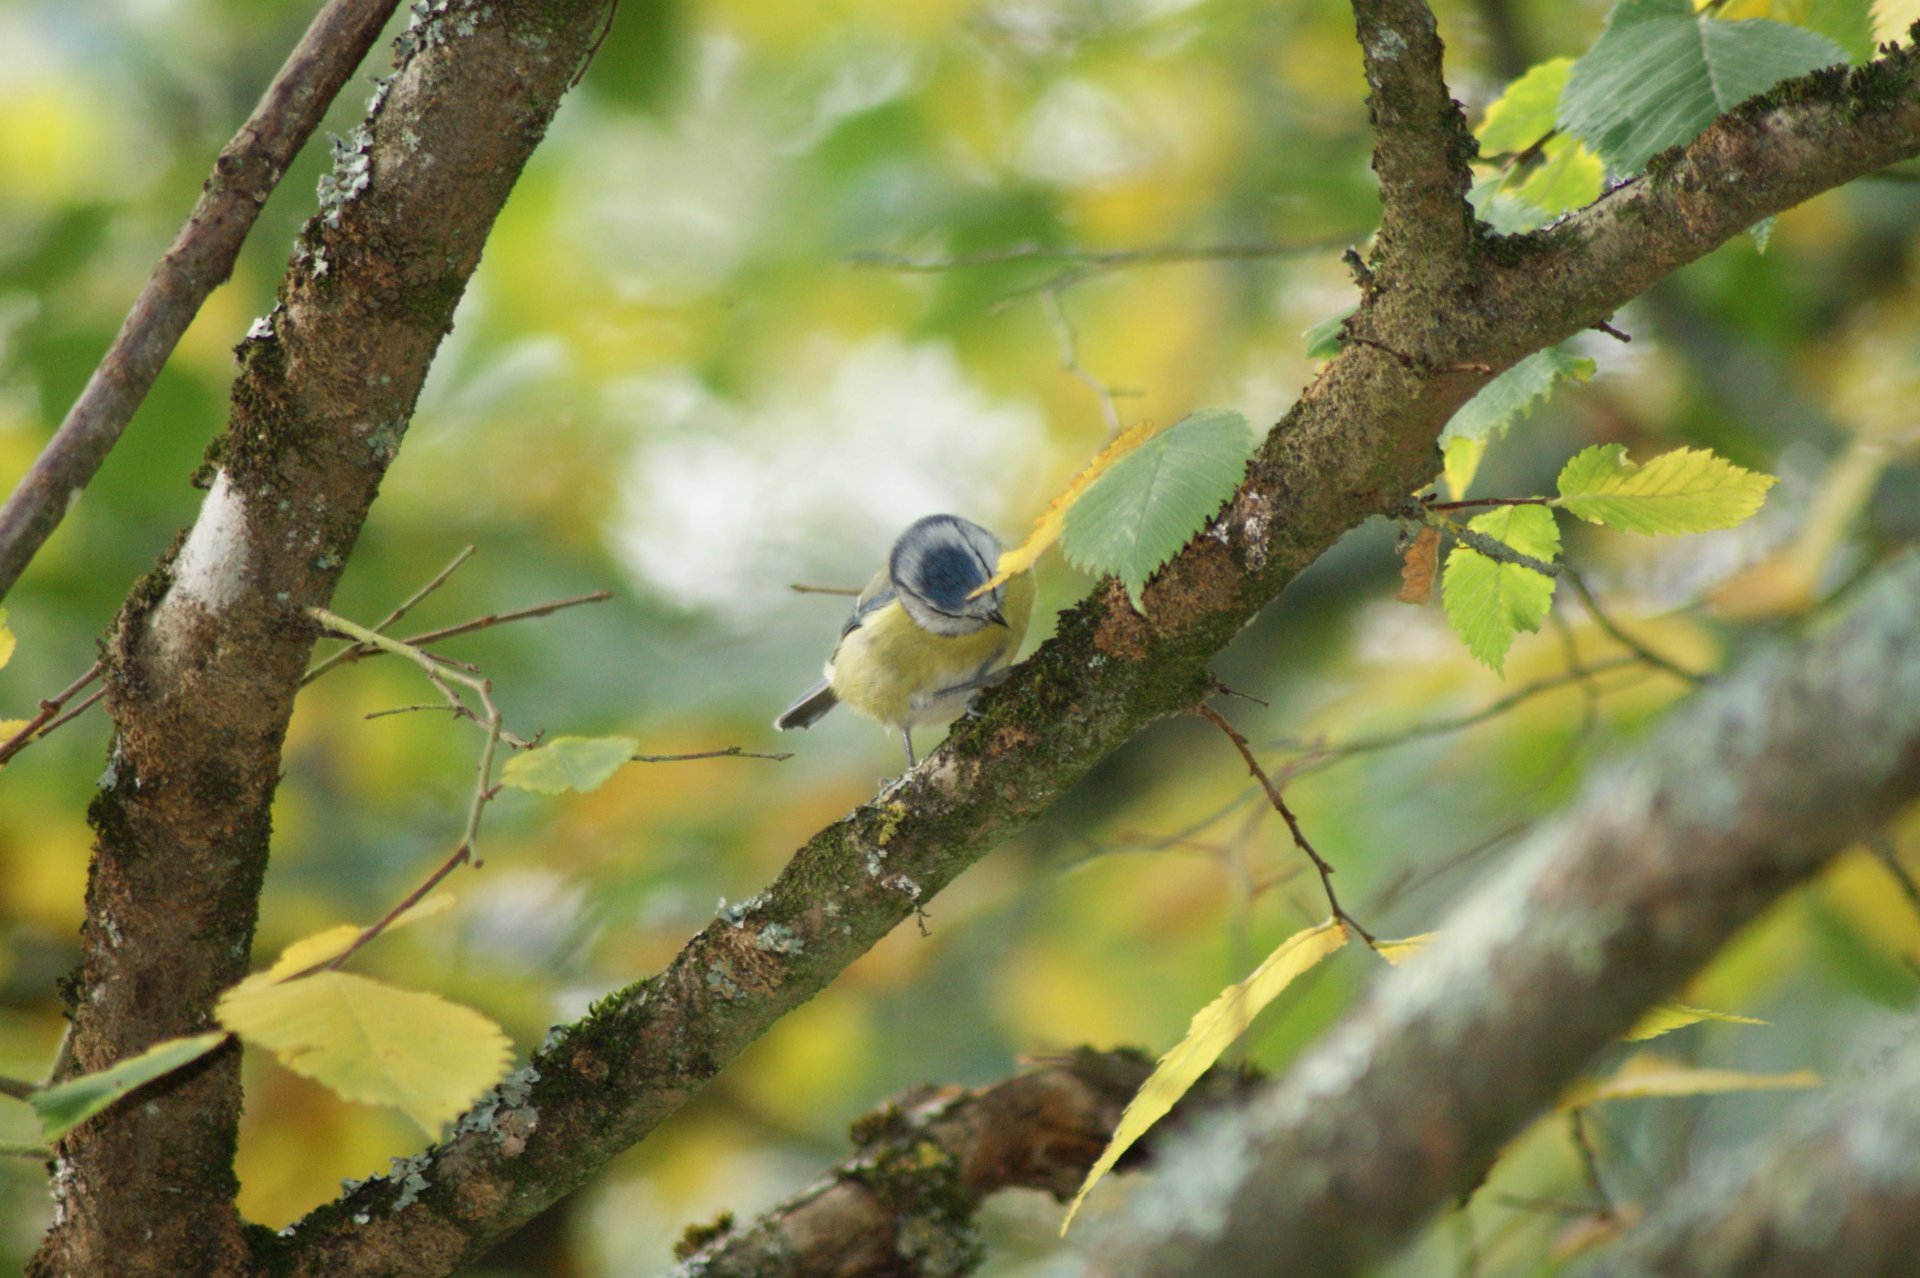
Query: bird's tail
(805, 712)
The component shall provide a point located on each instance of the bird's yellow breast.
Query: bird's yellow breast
(891, 670)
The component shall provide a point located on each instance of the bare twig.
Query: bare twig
(1234, 735)
(38, 726)
(1626, 640)
(731, 752)
(1589, 1162)
(1613, 332)
(359, 651)
(439, 579)
(1473, 502)
(17, 1088)
(201, 256)
(1884, 851)
(851, 592)
(25, 1151)
(1492, 547)
(613, 8)
(437, 672)
(1069, 343)
(1109, 259)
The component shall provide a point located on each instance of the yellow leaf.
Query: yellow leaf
(372, 1043)
(1214, 1027)
(1398, 952)
(1462, 463)
(1046, 529)
(324, 947)
(1646, 1075)
(1418, 566)
(6, 641)
(1669, 1016)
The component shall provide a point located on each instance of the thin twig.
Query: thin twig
(439, 579)
(731, 752)
(25, 1151)
(1471, 502)
(613, 7)
(1109, 258)
(1589, 1162)
(1612, 332)
(437, 672)
(201, 257)
(1069, 343)
(360, 651)
(17, 1088)
(1234, 735)
(1492, 547)
(1607, 624)
(48, 709)
(852, 592)
(1889, 857)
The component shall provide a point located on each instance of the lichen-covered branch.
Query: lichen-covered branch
(1421, 148)
(1745, 791)
(1360, 438)
(1837, 1192)
(904, 1203)
(200, 259)
(205, 659)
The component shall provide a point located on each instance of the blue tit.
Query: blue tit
(917, 648)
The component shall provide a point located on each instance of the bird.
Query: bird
(918, 645)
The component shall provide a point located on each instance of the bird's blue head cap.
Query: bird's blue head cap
(939, 561)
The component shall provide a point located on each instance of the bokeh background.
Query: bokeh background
(673, 379)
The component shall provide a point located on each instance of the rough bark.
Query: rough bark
(206, 656)
(904, 1203)
(1360, 439)
(1837, 1192)
(1742, 793)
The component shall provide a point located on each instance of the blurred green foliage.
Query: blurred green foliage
(671, 378)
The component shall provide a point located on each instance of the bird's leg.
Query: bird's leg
(906, 739)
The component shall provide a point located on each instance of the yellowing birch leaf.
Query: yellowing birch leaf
(6, 640)
(1669, 1016)
(1892, 19)
(1214, 1027)
(569, 763)
(1398, 952)
(1046, 529)
(1688, 490)
(1646, 1075)
(1418, 567)
(370, 1042)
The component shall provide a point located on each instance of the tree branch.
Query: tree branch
(1602, 911)
(1358, 439)
(206, 656)
(1422, 147)
(925, 1163)
(1838, 1192)
(199, 261)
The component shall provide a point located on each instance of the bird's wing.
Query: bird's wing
(878, 594)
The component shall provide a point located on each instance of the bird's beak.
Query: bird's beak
(998, 620)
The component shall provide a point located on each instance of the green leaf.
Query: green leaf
(67, 1105)
(1151, 502)
(1323, 339)
(1688, 490)
(1514, 393)
(1462, 462)
(1213, 1029)
(1507, 214)
(568, 763)
(1660, 73)
(1571, 177)
(373, 1043)
(1527, 111)
(1487, 602)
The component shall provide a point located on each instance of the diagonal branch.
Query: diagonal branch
(199, 261)
(1746, 791)
(1422, 145)
(1360, 438)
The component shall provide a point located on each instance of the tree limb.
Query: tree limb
(199, 261)
(925, 1163)
(1745, 791)
(1838, 1192)
(1360, 438)
(206, 656)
